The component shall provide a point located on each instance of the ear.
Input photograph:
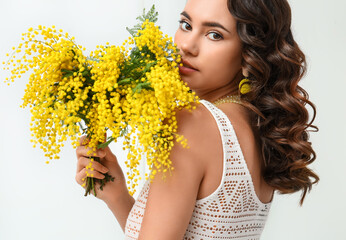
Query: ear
(245, 72)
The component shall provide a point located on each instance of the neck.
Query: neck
(229, 89)
(216, 94)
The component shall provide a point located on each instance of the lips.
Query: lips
(187, 64)
(187, 68)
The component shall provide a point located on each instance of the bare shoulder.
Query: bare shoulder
(200, 129)
(173, 199)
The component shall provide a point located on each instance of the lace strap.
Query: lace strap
(222, 121)
(234, 161)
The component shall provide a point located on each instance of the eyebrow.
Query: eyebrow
(206, 24)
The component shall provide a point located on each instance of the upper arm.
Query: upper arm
(171, 201)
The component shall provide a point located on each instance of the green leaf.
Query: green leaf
(124, 131)
(66, 73)
(93, 59)
(86, 73)
(125, 81)
(141, 86)
(149, 65)
(151, 15)
(103, 145)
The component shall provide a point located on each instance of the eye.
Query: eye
(184, 25)
(215, 36)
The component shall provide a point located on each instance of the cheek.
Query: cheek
(223, 62)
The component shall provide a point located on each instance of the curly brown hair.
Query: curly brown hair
(275, 65)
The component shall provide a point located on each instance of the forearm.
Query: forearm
(121, 207)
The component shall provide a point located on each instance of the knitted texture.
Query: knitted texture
(232, 211)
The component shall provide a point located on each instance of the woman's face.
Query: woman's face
(210, 48)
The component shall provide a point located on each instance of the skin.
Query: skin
(114, 194)
(215, 53)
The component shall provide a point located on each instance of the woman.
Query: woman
(241, 150)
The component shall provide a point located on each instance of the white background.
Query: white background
(39, 201)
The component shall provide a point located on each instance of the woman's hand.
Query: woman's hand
(108, 164)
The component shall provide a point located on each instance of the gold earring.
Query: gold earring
(244, 86)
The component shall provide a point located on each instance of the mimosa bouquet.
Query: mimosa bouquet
(133, 90)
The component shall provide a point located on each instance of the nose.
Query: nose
(188, 44)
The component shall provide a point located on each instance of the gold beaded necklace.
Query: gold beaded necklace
(228, 99)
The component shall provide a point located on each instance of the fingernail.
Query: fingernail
(101, 153)
(104, 169)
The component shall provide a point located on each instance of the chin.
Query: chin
(187, 80)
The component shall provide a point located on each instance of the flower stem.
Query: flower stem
(91, 182)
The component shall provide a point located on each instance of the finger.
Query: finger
(84, 173)
(92, 173)
(84, 151)
(87, 151)
(84, 162)
(83, 140)
(80, 177)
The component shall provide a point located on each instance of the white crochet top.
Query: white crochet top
(232, 211)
